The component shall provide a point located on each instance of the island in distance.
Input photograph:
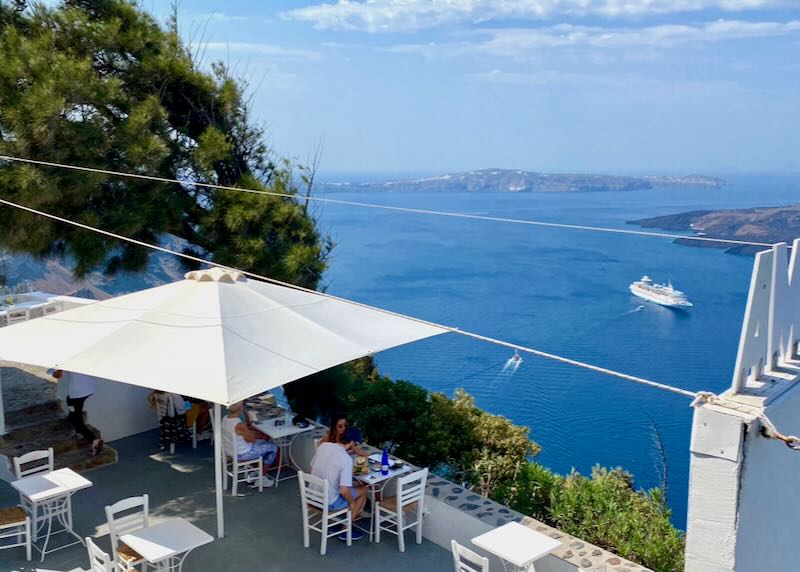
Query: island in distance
(516, 181)
(764, 224)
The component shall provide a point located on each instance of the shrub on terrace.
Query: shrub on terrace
(605, 510)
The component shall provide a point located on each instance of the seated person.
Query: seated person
(199, 415)
(335, 434)
(250, 443)
(334, 464)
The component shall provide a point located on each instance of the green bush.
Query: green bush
(531, 491)
(607, 511)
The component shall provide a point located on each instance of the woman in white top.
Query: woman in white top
(248, 442)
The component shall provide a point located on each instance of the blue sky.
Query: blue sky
(412, 86)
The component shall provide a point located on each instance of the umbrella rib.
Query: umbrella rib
(309, 320)
(266, 349)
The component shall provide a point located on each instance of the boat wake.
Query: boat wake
(513, 363)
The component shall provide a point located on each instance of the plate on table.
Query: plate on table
(376, 458)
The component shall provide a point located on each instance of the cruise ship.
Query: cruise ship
(659, 293)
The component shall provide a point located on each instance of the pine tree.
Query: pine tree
(100, 83)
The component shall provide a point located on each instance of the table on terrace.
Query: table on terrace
(516, 545)
(167, 544)
(51, 493)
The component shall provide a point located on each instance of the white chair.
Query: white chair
(136, 517)
(394, 514)
(19, 315)
(316, 516)
(28, 465)
(51, 308)
(15, 524)
(99, 561)
(234, 468)
(466, 560)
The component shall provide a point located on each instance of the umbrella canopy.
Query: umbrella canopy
(215, 335)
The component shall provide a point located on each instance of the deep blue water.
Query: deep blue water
(565, 292)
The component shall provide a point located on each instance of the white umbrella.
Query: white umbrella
(215, 335)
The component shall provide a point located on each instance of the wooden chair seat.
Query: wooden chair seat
(391, 504)
(128, 554)
(13, 515)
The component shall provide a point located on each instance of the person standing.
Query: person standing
(80, 387)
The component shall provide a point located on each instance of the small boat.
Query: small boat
(516, 359)
(663, 294)
(639, 308)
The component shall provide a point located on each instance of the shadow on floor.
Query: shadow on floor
(263, 531)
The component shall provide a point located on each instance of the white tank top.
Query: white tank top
(241, 446)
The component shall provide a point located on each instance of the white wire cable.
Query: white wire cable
(406, 210)
(495, 341)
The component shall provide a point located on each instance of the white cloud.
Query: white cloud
(630, 84)
(409, 15)
(524, 43)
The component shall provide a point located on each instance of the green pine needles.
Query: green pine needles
(99, 83)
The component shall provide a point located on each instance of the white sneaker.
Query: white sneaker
(265, 482)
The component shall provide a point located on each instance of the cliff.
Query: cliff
(763, 224)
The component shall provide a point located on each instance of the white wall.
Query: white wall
(117, 409)
(769, 505)
(744, 499)
(715, 452)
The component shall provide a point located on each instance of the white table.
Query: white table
(516, 544)
(167, 544)
(52, 493)
(376, 482)
(283, 435)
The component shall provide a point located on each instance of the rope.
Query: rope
(450, 329)
(406, 210)
(768, 429)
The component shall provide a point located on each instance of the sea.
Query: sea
(564, 292)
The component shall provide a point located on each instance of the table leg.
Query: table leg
(61, 510)
(171, 564)
(285, 447)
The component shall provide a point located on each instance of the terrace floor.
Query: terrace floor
(263, 531)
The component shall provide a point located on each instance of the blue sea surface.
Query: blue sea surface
(565, 292)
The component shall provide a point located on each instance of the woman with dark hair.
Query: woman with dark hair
(336, 432)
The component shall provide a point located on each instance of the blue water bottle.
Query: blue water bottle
(385, 462)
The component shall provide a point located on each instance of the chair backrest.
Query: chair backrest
(228, 439)
(411, 488)
(136, 517)
(466, 560)
(51, 308)
(14, 316)
(313, 491)
(99, 561)
(42, 462)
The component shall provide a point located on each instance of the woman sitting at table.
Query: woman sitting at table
(249, 442)
(335, 434)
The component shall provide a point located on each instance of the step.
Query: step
(56, 433)
(34, 415)
(79, 460)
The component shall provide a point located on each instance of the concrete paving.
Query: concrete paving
(263, 531)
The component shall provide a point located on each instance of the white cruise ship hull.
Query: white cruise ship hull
(661, 300)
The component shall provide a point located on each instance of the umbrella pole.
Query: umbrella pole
(218, 468)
